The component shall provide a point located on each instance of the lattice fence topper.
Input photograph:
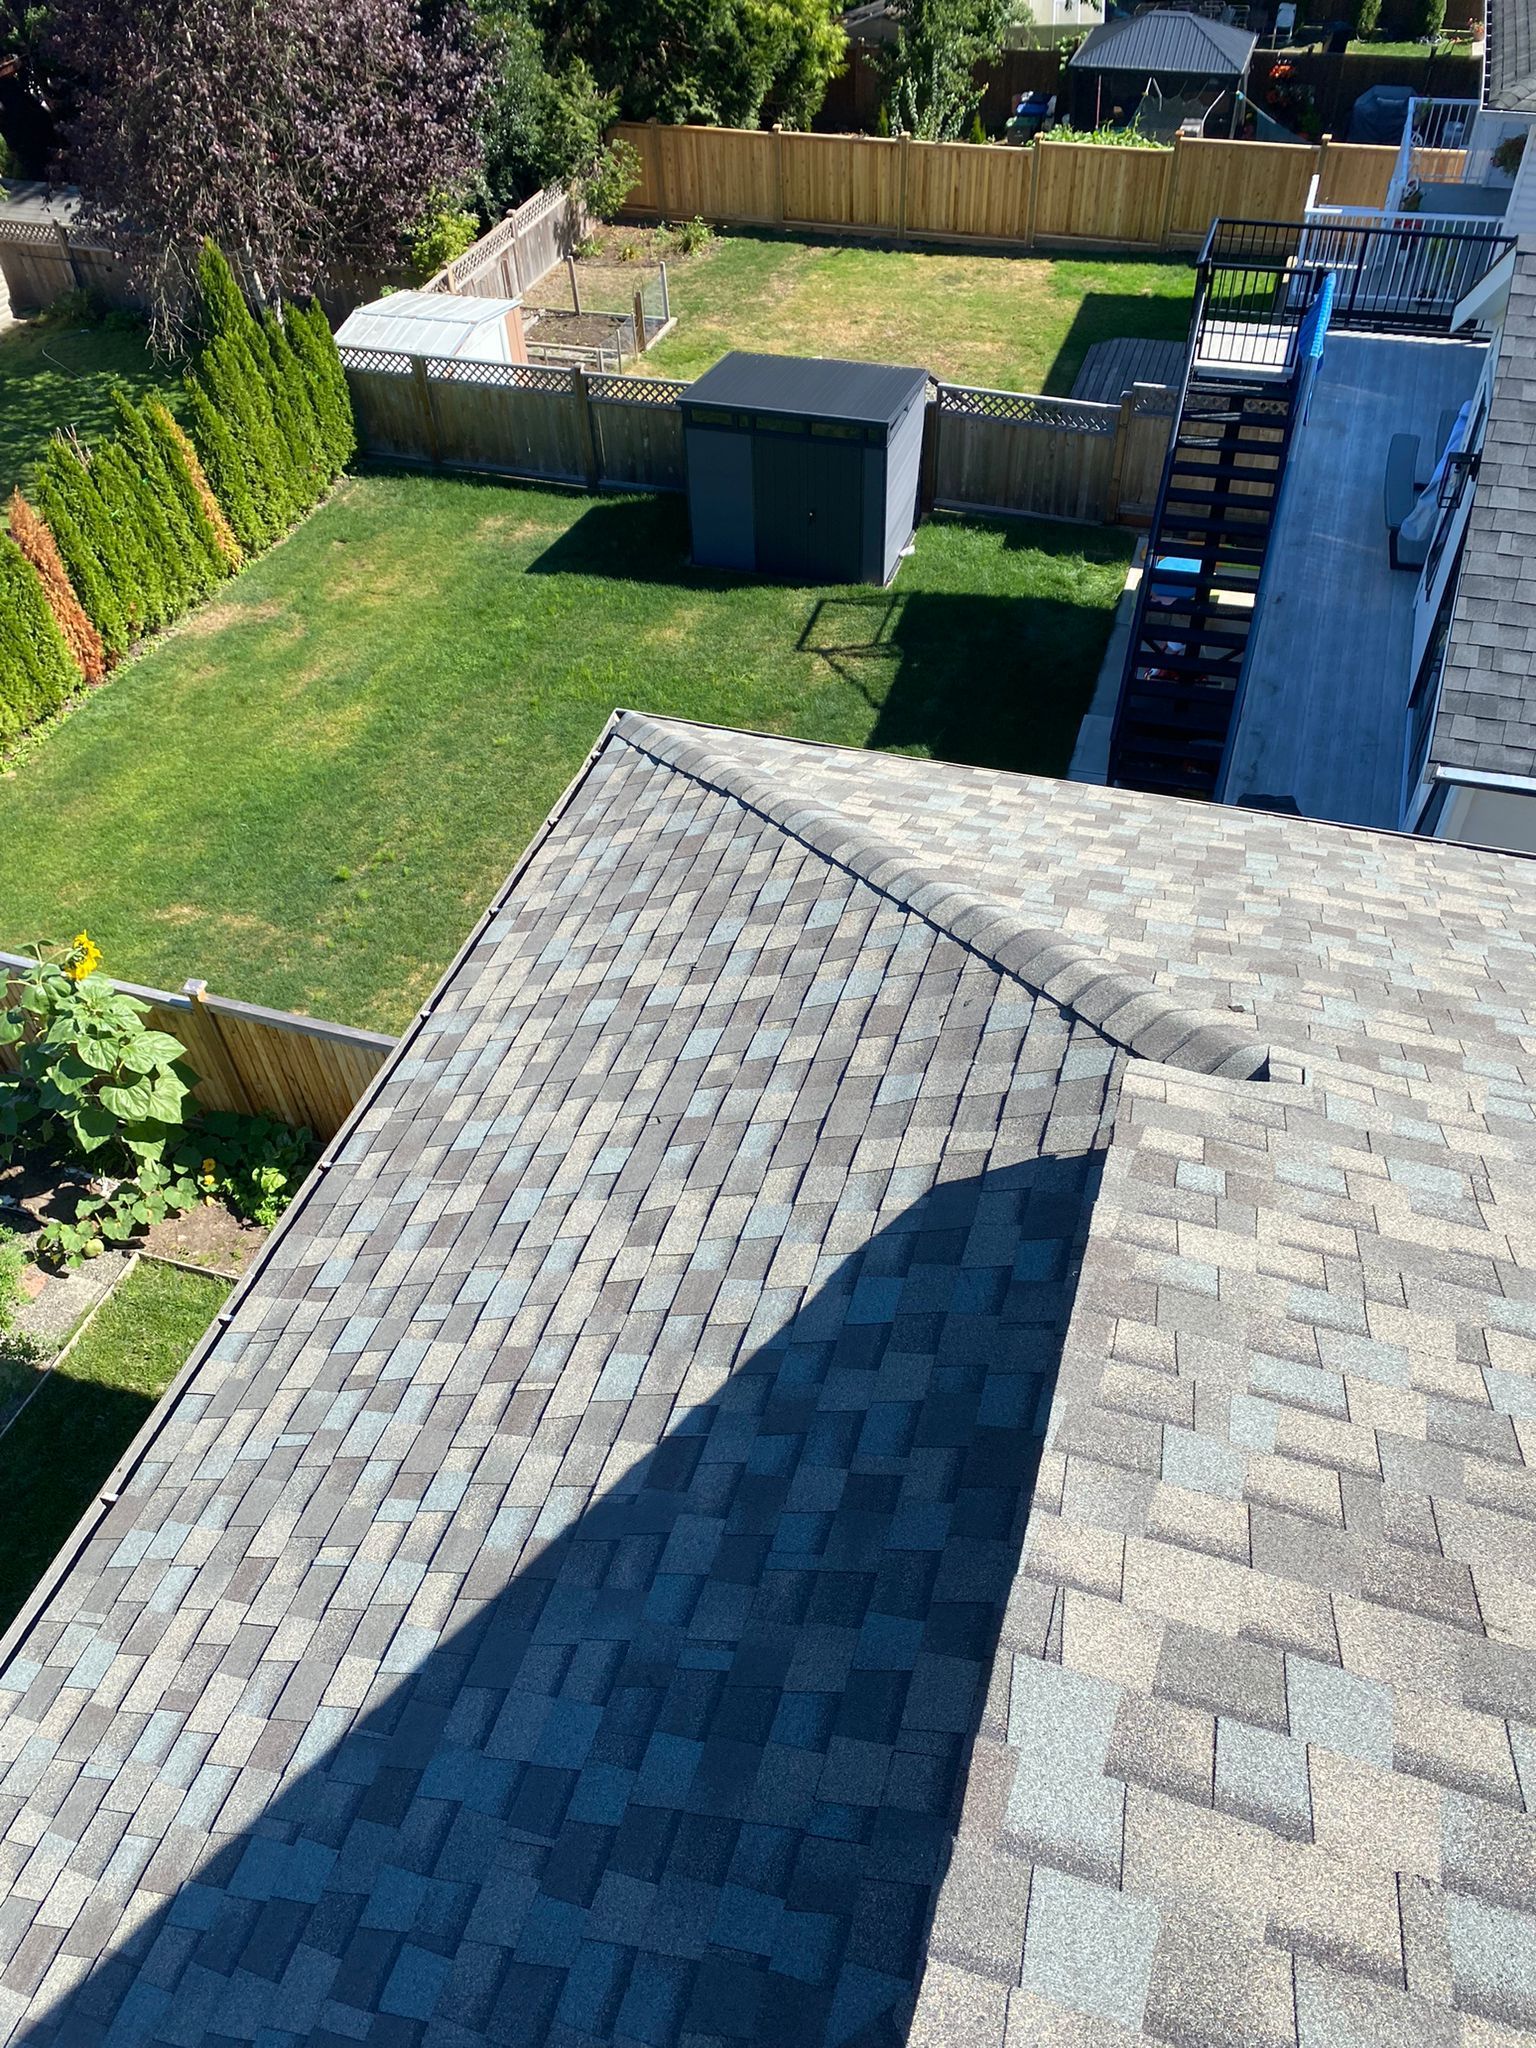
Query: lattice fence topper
(383, 362)
(636, 390)
(29, 231)
(508, 376)
(1066, 415)
(1147, 401)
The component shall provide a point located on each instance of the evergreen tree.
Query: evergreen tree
(315, 346)
(228, 375)
(196, 552)
(294, 410)
(72, 506)
(221, 305)
(36, 673)
(220, 458)
(30, 532)
(159, 574)
(191, 480)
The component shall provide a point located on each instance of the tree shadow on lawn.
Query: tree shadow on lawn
(694, 1766)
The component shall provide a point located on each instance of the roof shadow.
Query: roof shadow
(692, 1769)
(993, 681)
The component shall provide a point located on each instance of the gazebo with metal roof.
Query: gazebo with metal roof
(1160, 69)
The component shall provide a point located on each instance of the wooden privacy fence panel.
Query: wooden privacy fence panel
(989, 189)
(1242, 180)
(1051, 192)
(989, 451)
(260, 1062)
(510, 258)
(841, 180)
(1088, 192)
(999, 451)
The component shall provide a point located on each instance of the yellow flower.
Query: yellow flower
(84, 957)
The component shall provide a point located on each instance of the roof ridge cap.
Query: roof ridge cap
(1125, 1008)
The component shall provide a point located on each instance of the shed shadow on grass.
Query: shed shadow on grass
(693, 1768)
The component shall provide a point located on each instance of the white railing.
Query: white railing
(1452, 142)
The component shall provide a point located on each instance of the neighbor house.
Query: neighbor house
(907, 1414)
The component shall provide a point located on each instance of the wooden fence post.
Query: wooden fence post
(570, 271)
(640, 321)
(1320, 168)
(428, 410)
(1031, 186)
(586, 431)
(68, 249)
(780, 173)
(901, 199)
(928, 461)
(1171, 196)
(209, 1051)
(1117, 463)
(663, 172)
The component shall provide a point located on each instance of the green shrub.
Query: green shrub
(90, 578)
(1367, 15)
(978, 132)
(441, 239)
(252, 1164)
(94, 1083)
(157, 571)
(227, 373)
(36, 672)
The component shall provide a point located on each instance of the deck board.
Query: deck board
(1324, 713)
(1110, 368)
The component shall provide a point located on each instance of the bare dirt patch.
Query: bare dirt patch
(213, 618)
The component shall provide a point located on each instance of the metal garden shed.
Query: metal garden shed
(442, 324)
(803, 467)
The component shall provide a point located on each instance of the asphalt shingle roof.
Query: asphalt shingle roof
(791, 1482)
(1166, 41)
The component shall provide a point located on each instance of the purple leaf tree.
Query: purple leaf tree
(306, 137)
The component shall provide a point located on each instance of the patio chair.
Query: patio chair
(1399, 497)
(1429, 456)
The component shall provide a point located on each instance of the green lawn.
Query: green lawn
(82, 1418)
(1017, 323)
(309, 791)
(54, 376)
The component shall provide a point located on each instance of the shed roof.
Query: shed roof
(809, 387)
(791, 1465)
(425, 323)
(1167, 41)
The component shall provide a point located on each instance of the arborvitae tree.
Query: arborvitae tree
(206, 513)
(32, 535)
(229, 373)
(36, 673)
(220, 459)
(92, 552)
(315, 346)
(221, 305)
(163, 572)
(196, 554)
(295, 408)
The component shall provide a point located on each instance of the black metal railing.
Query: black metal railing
(1406, 276)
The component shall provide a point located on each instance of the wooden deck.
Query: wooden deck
(1324, 716)
(1110, 368)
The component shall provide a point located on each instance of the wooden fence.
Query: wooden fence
(1050, 194)
(510, 258)
(261, 1062)
(986, 451)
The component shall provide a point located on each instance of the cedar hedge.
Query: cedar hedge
(126, 536)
